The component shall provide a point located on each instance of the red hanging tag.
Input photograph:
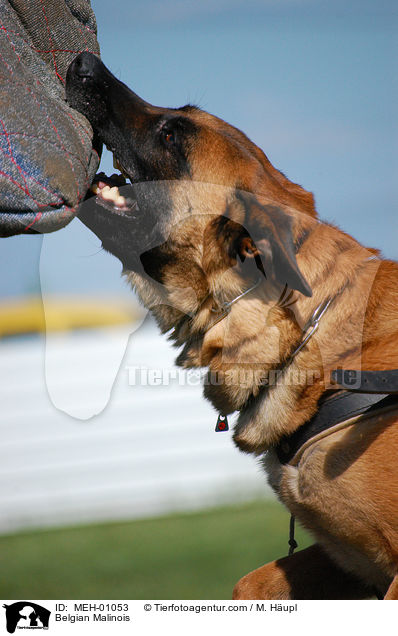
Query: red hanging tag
(222, 424)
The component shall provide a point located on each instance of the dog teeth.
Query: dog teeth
(109, 194)
(109, 197)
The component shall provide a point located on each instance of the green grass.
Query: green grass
(185, 556)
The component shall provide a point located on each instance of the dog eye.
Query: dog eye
(168, 137)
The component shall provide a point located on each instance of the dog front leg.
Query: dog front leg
(308, 574)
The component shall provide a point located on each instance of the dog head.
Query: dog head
(152, 143)
(210, 213)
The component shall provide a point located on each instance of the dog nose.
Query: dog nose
(85, 64)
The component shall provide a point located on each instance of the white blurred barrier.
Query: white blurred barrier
(152, 450)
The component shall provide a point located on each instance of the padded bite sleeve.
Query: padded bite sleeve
(47, 160)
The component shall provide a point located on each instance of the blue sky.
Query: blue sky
(313, 82)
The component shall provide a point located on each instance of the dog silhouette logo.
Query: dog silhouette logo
(26, 615)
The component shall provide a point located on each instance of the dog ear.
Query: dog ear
(268, 238)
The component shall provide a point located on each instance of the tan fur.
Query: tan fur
(345, 488)
(308, 574)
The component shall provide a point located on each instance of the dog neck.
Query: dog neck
(257, 338)
(345, 277)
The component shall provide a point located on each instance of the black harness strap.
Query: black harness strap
(338, 407)
(367, 381)
(363, 392)
(332, 410)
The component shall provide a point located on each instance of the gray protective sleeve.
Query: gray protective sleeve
(47, 161)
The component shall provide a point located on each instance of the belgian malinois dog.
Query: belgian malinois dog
(230, 257)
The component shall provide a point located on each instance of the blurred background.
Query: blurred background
(84, 439)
